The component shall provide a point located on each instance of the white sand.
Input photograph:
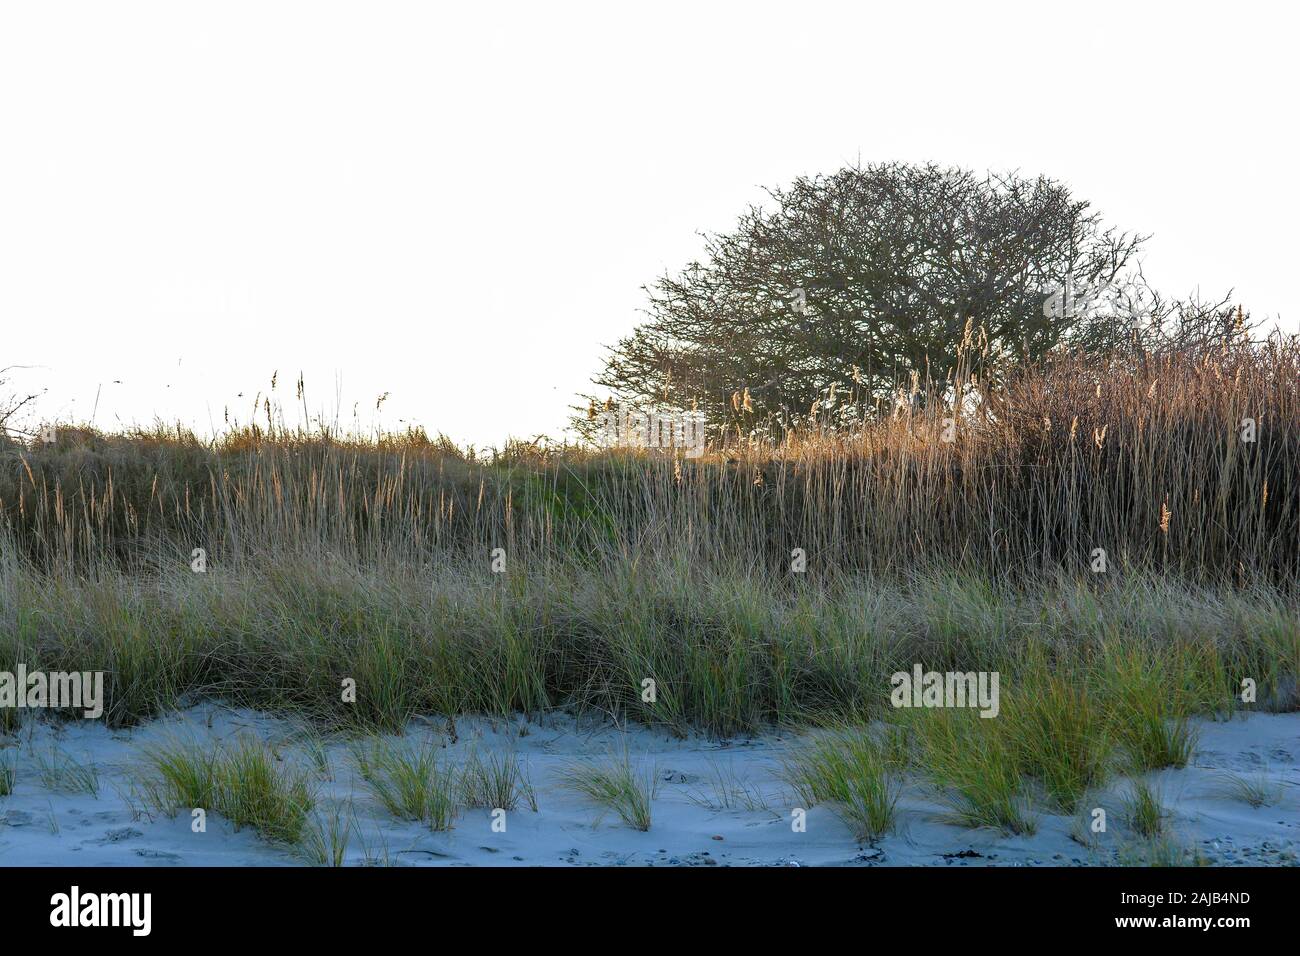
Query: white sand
(41, 827)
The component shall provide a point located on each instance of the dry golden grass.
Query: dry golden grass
(1142, 456)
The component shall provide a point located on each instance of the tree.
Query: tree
(873, 273)
(10, 406)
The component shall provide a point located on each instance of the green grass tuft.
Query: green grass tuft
(61, 771)
(853, 771)
(497, 781)
(246, 783)
(616, 785)
(411, 782)
(1144, 811)
(976, 765)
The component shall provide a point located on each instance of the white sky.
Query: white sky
(457, 204)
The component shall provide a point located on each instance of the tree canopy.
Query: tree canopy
(873, 273)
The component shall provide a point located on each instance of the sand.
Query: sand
(39, 826)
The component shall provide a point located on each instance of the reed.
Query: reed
(329, 558)
(1145, 456)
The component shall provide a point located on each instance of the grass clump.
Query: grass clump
(497, 781)
(61, 771)
(853, 771)
(1059, 733)
(976, 765)
(8, 773)
(246, 783)
(1257, 790)
(182, 776)
(1150, 709)
(1144, 811)
(326, 838)
(253, 790)
(616, 785)
(411, 783)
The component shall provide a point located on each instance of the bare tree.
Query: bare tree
(10, 405)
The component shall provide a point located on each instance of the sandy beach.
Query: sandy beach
(718, 803)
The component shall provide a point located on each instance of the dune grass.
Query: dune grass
(851, 770)
(1058, 731)
(616, 784)
(255, 790)
(8, 772)
(975, 765)
(1144, 811)
(60, 770)
(181, 775)
(1150, 705)
(496, 781)
(244, 781)
(1256, 790)
(726, 788)
(728, 652)
(411, 781)
(326, 838)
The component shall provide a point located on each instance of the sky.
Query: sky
(456, 205)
